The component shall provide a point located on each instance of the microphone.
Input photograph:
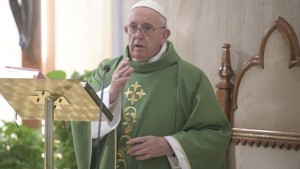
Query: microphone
(106, 69)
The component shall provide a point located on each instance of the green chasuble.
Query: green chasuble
(168, 97)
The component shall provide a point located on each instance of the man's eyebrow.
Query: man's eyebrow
(143, 24)
(147, 24)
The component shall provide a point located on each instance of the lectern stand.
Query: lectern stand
(52, 99)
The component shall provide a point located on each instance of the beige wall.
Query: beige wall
(200, 27)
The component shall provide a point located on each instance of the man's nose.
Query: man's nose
(139, 32)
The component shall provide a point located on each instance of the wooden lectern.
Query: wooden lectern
(52, 99)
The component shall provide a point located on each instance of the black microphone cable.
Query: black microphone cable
(105, 70)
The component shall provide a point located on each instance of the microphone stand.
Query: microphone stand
(105, 70)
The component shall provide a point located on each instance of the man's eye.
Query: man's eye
(132, 26)
(147, 28)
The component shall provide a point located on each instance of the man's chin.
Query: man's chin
(139, 58)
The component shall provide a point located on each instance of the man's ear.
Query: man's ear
(166, 33)
(126, 29)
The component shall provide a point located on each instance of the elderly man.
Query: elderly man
(166, 114)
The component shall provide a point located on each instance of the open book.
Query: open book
(19, 72)
(7, 113)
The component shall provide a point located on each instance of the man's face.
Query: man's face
(143, 46)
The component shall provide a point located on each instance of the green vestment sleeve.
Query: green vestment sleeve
(206, 133)
(83, 143)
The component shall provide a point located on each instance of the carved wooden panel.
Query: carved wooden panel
(228, 92)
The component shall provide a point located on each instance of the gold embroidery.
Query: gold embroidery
(121, 158)
(137, 90)
(129, 118)
(134, 93)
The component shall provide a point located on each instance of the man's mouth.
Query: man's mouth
(138, 46)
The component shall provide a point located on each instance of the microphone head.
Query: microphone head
(106, 68)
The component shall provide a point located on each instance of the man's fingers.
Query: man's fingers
(122, 70)
(148, 147)
(119, 78)
(137, 140)
(134, 149)
(144, 157)
(122, 64)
